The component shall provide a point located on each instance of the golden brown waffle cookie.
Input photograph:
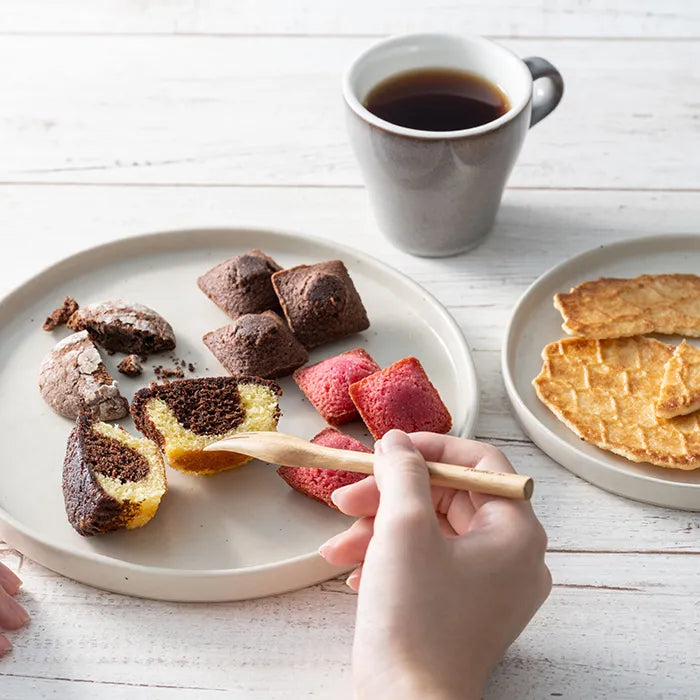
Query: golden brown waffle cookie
(606, 390)
(680, 387)
(619, 308)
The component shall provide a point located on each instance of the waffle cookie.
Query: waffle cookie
(111, 479)
(186, 415)
(680, 388)
(317, 483)
(618, 308)
(606, 392)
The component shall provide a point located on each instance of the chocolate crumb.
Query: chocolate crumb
(60, 315)
(130, 366)
(172, 373)
(190, 367)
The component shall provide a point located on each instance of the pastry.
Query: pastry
(60, 315)
(326, 384)
(606, 391)
(617, 308)
(260, 345)
(400, 396)
(320, 483)
(680, 386)
(186, 415)
(242, 284)
(111, 479)
(320, 302)
(73, 380)
(120, 326)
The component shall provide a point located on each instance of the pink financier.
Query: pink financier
(400, 396)
(320, 483)
(326, 384)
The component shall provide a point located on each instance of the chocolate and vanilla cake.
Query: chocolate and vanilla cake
(241, 285)
(73, 379)
(260, 345)
(121, 326)
(186, 415)
(320, 302)
(111, 479)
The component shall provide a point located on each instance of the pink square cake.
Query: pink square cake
(326, 384)
(320, 483)
(400, 396)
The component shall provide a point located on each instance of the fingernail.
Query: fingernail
(378, 447)
(396, 439)
(328, 544)
(333, 495)
(352, 579)
(5, 645)
(19, 616)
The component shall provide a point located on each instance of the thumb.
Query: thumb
(402, 478)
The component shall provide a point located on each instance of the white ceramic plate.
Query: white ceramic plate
(535, 323)
(236, 535)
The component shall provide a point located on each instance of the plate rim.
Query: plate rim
(465, 430)
(528, 419)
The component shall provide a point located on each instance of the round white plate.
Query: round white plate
(240, 534)
(535, 323)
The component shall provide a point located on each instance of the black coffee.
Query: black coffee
(437, 99)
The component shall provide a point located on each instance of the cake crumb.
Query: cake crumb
(172, 373)
(191, 367)
(130, 366)
(60, 315)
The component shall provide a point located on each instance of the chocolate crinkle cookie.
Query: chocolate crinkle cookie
(73, 379)
(130, 366)
(121, 326)
(60, 315)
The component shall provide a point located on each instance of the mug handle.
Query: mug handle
(544, 100)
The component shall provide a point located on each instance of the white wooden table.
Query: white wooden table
(118, 118)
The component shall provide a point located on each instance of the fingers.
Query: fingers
(402, 479)
(349, 547)
(358, 499)
(12, 614)
(5, 645)
(9, 580)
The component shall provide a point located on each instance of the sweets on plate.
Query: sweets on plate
(120, 326)
(615, 308)
(606, 391)
(679, 394)
(241, 285)
(111, 479)
(320, 302)
(60, 315)
(260, 345)
(73, 380)
(319, 484)
(186, 415)
(400, 396)
(326, 384)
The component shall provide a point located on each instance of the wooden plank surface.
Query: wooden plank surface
(676, 18)
(268, 110)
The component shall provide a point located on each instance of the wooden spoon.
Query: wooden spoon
(279, 448)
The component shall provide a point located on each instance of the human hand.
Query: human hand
(12, 614)
(447, 579)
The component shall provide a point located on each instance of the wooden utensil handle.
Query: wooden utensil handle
(450, 475)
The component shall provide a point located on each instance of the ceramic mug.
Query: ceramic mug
(436, 193)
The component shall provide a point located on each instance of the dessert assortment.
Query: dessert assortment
(619, 389)
(113, 480)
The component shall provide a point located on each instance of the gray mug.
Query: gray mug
(436, 193)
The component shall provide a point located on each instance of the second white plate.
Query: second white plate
(234, 535)
(535, 323)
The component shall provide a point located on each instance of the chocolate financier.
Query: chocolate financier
(260, 345)
(186, 415)
(111, 479)
(121, 326)
(73, 379)
(320, 302)
(241, 285)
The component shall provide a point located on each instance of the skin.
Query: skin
(12, 614)
(447, 579)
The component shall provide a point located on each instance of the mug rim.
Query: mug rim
(363, 113)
